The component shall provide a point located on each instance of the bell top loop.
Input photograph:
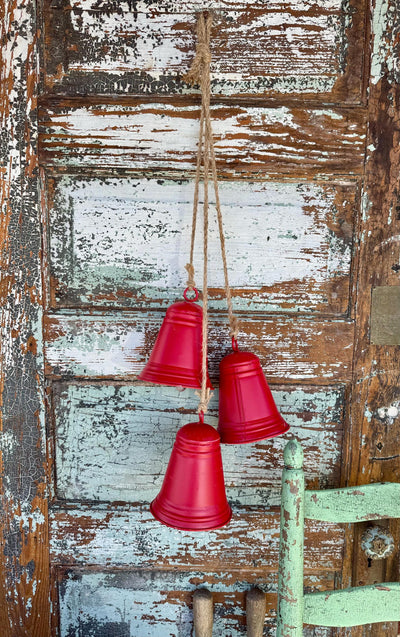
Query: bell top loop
(187, 291)
(235, 346)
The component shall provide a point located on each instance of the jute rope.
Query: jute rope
(199, 73)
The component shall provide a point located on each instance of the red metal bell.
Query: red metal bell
(247, 410)
(176, 355)
(192, 496)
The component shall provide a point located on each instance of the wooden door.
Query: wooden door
(98, 151)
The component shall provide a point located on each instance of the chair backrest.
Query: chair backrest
(342, 608)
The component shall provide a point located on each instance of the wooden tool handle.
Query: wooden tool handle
(202, 613)
(256, 606)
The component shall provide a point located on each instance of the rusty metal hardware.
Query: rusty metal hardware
(377, 543)
(385, 315)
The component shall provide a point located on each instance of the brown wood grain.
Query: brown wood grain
(373, 445)
(291, 349)
(249, 543)
(312, 51)
(24, 557)
(161, 136)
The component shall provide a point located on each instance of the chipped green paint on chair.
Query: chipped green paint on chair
(341, 608)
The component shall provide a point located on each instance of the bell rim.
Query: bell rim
(178, 522)
(251, 438)
(170, 378)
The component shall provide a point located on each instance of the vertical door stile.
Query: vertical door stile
(372, 447)
(24, 558)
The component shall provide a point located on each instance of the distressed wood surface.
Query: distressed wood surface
(118, 345)
(121, 242)
(374, 454)
(250, 141)
(24, 560)
(150, 604)
(276, 48)
(354, 606)
(113, 442)
(354, 504)
(116, 536)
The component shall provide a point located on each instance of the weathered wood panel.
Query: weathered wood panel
(151, 604)
(113, 442)
(24, 559)
(250, 141)
(121, 242)
(118, 345)
(301, 48)
(373, 447)
(118, 536)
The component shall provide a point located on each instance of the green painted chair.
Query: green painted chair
(341, 608)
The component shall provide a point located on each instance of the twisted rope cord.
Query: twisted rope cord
(189, 266)
(233, 321)
(200, 73)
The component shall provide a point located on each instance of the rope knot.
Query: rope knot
(190, 270)
(204, 400)
(202, 58)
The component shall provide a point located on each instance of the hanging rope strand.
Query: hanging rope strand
(197, 70)
(200, 73)
(233, 321)
(189, 266)
(205, 91)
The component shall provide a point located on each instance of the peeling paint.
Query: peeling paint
(112, 48)
(115, 242)
(117, 536)
(131, 604)
(113, 441)
(303, 348)
(24, 561)
(385, 32)
(250, 141)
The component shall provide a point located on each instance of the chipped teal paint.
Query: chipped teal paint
(156, 604)
(115, 242)
(290, 576)
(354, 606)
(116, 536)
(385, 33)
(354, 504)
(113, 441)
(148, 603)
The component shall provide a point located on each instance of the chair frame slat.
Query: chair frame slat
(340, 608)
(353, 606)
(354, 504)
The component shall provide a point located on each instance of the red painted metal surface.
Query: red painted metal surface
(247, 410)
(176, 355)
(192, 496)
